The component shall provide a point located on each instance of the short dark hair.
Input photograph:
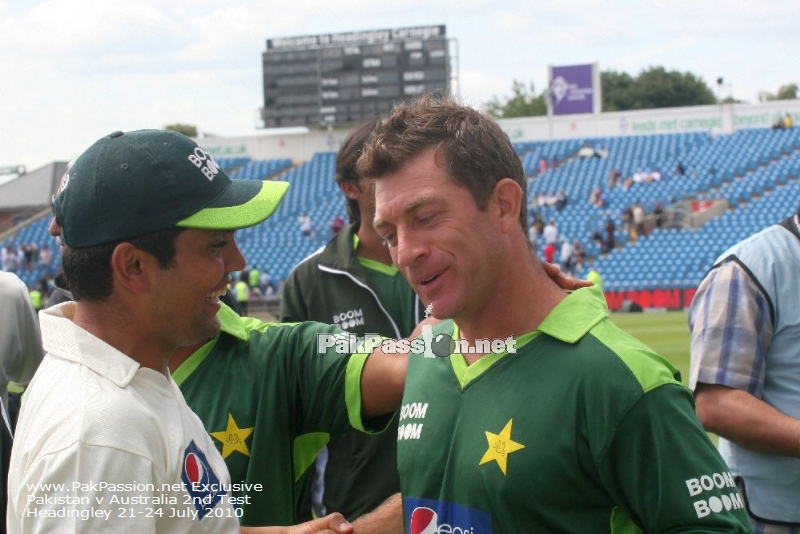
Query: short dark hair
(346, 160)
(478, 152)
(87, 270)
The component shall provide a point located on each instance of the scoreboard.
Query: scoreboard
(343, 78)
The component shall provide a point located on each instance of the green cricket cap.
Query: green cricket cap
(133, 183)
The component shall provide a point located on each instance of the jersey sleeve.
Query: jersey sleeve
(731, 330)
(323, 366)
(663, 472)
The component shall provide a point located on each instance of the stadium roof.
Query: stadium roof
(32, 190)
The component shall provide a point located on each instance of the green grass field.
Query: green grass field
(666, 333)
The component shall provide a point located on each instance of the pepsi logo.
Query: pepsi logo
(434, 516)
(424, 521)
(195, 471)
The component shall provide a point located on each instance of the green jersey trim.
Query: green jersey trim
(629, 351)
(466, 374)
(388, 270)
(622, 524)
(352, 390)
(231, 323)
(573, 317)
(188, 366)
(306, 448)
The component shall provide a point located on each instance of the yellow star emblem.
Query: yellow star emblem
(500, 446)
(233, 438)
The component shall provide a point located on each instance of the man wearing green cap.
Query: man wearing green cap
(105, 440)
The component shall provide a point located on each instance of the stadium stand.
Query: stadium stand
(750, 175)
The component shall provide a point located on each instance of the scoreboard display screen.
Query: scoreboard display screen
(343, 78)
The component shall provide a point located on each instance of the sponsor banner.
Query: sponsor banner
(671, 299)
(571, 89)
(356, 38)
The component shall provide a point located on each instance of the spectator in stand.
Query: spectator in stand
(542, 165)
(550, 234)
(550, 252)
(551, 200)
(270, 292)
(561, 200)
(541, 200)
(594, 277)
(611, 229)
(597, 239)
(337, 225)
(536, 229)
(638, 214)
(533, 235)
(254, 277)
(45, 285)
(596, 197)
(658, 214)
(613, 178)
(265, 280)
(10, 259)
(305, 224)
(586, 151)
(45, 258)
(627, 224)
(567, 260)
(554, 163)
(680, 170)
(31, 256)
(637, 178)
(37, 299)
(654, 176)
(579, 254)
(783, 123)
(23, 258)
(242, 291)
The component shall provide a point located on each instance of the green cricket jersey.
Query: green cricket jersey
(270, 402)
(582, 430)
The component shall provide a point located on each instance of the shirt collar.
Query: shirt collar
(62, 338)
(574, 316)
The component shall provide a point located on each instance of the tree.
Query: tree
(654, 88)
(617, 92)
(785, 92)
(186, 129)
(523, 103)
